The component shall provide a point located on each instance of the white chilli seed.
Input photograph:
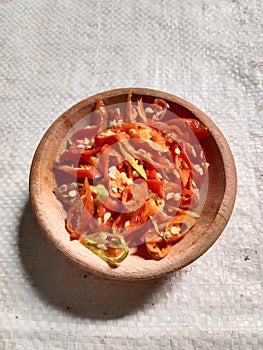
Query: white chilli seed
(177, 196)
(112, 172)
(106, 217)
(176, 174)
(114, 189)
(108, 133)
(169, 195)
(159, 113)
(141, 150)
(113, 123)
(63, 188)
(193, 151)
(148, 110)
(129, 181)
(92, 141)
(199, 169)
(177, 150)
(127, 223)
(167, 236)
(73, 193)
(132, 132)
(175, 230)
(80, 145)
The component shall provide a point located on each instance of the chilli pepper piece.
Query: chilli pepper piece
(128, 169)
(87, 210)
(184, 170)
(89, 203)
(158, 248)
(101, 211)
(128, 117)
(86, 171)
(148, 151)
(139, 168)
(78, 155)
(71, 222)
(160, 108)
(100, 115)
(111, 247)
(110, 138)
(151, 173)
(139, 194)
(121, 219)
(101, 194)
(86, 133)
(156, 187)
(188, 198)
(67, 192)
(190, 213)
(141, 111)
(198, 128)
(178, 227)
(75, 216)
(137, 218)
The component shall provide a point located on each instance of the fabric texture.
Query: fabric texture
(55, 53)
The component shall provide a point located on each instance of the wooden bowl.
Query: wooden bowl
(213, 219)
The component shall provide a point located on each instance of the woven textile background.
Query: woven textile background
(55, 53)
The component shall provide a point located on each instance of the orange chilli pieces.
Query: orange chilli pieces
(132, 178)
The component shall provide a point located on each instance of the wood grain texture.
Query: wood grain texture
(213, 219)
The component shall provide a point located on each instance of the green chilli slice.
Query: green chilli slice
(101, 244)
(139, 168)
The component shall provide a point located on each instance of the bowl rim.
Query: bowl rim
(219, 223)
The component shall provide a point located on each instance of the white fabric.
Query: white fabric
(55, 53)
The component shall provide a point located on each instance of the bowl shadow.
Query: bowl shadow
(61, 283)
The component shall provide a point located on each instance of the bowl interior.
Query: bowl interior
(215, 214)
